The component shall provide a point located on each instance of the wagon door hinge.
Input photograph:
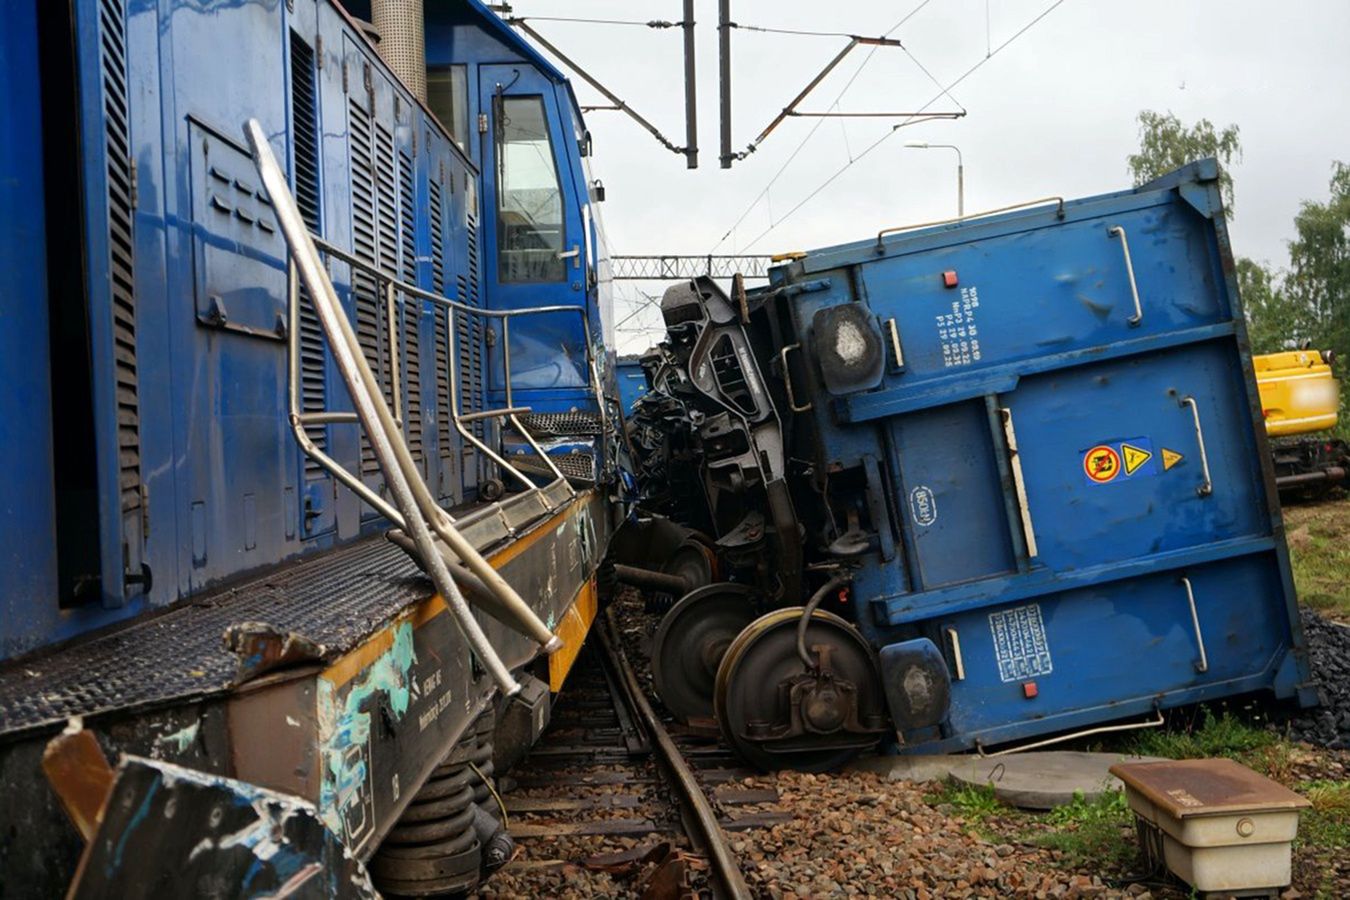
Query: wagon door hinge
(318, 51)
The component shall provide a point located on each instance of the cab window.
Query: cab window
(448, 97)
(529, 198)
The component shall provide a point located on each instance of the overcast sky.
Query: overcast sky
(1051, 113)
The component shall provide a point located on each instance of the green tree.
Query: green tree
(1319, 265)
(1272, 321)
(1166, 143)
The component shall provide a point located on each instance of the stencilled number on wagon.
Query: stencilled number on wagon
(1020, 647)
(958, 332)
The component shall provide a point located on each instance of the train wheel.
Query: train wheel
(689, 644)
(778, 713)
(694, 562)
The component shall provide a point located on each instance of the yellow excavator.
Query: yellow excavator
(1300, 397)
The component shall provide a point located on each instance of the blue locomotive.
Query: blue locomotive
(975, 483)
(234, 356)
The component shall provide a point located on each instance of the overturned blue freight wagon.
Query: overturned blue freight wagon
(1026, 452)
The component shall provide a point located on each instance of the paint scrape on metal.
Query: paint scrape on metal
(345, 797)
(179, 740)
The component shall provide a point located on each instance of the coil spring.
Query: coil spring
(436, 847)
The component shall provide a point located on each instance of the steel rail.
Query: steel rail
(720, 855)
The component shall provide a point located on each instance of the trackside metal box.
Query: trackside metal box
(1217, 824)
(1067, 472)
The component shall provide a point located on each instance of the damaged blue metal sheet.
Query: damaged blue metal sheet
(168, 831)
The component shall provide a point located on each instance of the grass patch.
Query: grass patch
(1327, 824)
(973, 802)
(1091, 833)
(1219, 735)
(1319, 544)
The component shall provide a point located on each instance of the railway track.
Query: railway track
(613, 801)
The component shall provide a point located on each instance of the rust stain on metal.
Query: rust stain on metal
(261, 648)
(1201, 787)
(80, 775)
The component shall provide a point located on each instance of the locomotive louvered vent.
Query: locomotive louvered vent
(468, 344)
(370, 320)
(436, 214)
(441, 361)
(412, 308)
(386, 217)
(305, 128)
(470, 334)
(112, 29)
(444, 427)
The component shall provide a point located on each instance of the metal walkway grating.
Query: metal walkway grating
(336, 601)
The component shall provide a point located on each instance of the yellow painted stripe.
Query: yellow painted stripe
(573, 628)
(353, 663)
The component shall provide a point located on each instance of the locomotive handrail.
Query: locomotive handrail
(395, 286)
(370, 406)
(418, 511)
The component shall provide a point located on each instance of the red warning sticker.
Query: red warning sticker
(1101, 464)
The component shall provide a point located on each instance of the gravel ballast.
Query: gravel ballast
(1329, 654)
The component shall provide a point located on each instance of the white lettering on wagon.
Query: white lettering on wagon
(958, 333)
(1020, 647)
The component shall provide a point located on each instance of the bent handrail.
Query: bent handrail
(385, 437)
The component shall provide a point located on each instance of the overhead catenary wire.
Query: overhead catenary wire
(885, 137)
(793, 31)
(816, 127)
(653, 23)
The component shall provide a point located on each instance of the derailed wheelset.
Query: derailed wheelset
(778, 712)
(782, 695)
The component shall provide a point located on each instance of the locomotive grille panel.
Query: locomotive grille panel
(386, 216)
(573, 465)
(471, 346)
(112, 30)
(437, 214)
(370, 319)
(412, 358)
(305, 131)
(412, 309)
(468, 337)
(407, 217)
(386, 209)
(566, 424)
(444, 443)
(304, 113)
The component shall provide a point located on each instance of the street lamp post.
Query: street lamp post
(960, 170)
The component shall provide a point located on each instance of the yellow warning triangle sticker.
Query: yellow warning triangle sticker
(1170, 458)
(1134, 457)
